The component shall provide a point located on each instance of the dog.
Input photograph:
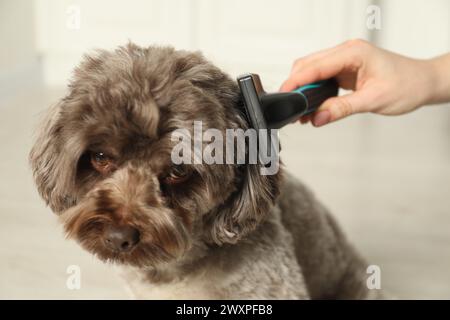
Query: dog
(101, 161)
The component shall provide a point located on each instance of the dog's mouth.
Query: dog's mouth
(130, 247)
(140, 255)
(140, 241)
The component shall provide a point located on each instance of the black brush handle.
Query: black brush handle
(316, 93)
(283, 108)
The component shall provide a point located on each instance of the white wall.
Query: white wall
(245, 36)
(417, 28)
(240, 36)
(19, 66)
(16, 33)
(105, 24)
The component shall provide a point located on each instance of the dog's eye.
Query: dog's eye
(102, 162)
(177, 174)
(100, 159)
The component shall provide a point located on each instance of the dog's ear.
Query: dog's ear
(256, 193)
(247, 207)
(53, 159)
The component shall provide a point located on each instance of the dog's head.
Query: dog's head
(102, 160)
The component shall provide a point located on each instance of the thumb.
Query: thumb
(338, 108)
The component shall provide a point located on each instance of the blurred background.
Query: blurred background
(386, 179)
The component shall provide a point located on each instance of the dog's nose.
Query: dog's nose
(121, 238)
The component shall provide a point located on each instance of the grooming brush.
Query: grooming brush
(275, 110)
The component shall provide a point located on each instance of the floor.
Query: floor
(387, 180)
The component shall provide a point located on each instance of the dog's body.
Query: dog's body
(102, 162)
(297, 253)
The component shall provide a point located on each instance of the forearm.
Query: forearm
(440, 68)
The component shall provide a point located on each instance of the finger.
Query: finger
(321, 69)
(337, 108)
(304, 61)
(305, 119)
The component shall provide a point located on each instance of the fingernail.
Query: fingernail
(321, 118)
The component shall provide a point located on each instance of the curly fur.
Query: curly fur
(224, 233)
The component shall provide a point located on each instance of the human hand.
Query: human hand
(382, 82)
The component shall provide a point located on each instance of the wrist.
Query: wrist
(439, 79)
